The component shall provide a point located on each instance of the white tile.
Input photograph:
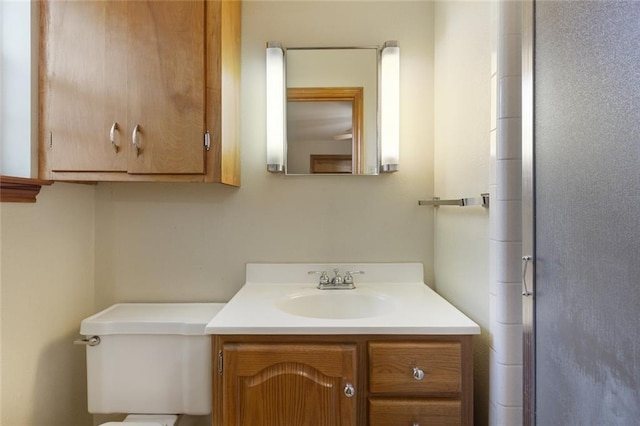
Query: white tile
(509, 179)
(493, 317)
(508, 220)
(510, 55)
(508, 416)
(493, 214)
(509, 303)
(493, 418)
(493, 116)
(509, 139)
(493, 135)
(509, 97)
(492, 266)
(509, 18)
(506, 385)
(509, 264)
(507, 343)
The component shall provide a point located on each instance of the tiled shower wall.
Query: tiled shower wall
(505, 302)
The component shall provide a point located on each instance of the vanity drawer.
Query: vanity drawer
(411, 412)
(415, 367)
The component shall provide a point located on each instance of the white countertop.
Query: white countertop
(409, 305)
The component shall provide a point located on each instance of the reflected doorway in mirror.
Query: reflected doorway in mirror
(324, 121)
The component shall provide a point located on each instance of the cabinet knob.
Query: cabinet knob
(349, 390)
(418, 374)
(134, 139)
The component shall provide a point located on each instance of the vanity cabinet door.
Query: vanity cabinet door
(289, 384)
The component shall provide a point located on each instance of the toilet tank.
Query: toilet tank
(152, 358)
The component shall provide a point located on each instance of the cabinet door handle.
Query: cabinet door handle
(112, 135)
(418, 374)
(349, 390)
(135, 139)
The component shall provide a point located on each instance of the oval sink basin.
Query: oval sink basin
(337, 304)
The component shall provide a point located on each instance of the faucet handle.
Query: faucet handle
(337, 279)
(348, 276)
(324, 278)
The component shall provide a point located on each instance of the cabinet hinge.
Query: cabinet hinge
(50, 140)
(207, 141)
(220, 362)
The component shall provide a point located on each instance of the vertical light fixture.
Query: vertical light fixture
(389, 107)
(275, 107)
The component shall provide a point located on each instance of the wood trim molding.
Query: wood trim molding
(20, 190)
(355, 95)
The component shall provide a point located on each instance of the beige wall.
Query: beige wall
(185, 242)
(190, 242)
(47, 288)
(462, 169)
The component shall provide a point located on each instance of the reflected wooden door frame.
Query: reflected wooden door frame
(355, 95)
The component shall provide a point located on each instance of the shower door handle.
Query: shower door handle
(525, 291)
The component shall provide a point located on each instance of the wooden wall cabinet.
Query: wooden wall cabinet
(304, 380)
(129, 91)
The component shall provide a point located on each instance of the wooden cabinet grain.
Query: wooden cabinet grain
(418, 382)
(282, 380)
(128, 90)
(288, 384)
(414, 412)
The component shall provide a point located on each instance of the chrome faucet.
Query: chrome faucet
(336, 282)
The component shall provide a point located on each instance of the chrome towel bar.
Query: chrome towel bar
(483, 201)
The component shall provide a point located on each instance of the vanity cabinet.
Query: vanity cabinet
(140, 91)
(395, 380)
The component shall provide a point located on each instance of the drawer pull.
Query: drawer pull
(349, 390)
(416, 424)
(418, 374)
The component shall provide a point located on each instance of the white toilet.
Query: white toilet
(151, 361)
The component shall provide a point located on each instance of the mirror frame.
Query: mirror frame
(336, 94)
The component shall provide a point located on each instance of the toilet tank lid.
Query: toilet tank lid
(151, 318)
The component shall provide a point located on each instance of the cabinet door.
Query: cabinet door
(83, 80)
(166, 86)
(288, 384)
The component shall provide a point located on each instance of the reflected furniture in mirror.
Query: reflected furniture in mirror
(326, 113)
(326, 123)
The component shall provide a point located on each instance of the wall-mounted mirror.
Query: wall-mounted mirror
(332, 99)
(332, 106)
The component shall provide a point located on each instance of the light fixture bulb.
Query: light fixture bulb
(275, 93)
(390, 107)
